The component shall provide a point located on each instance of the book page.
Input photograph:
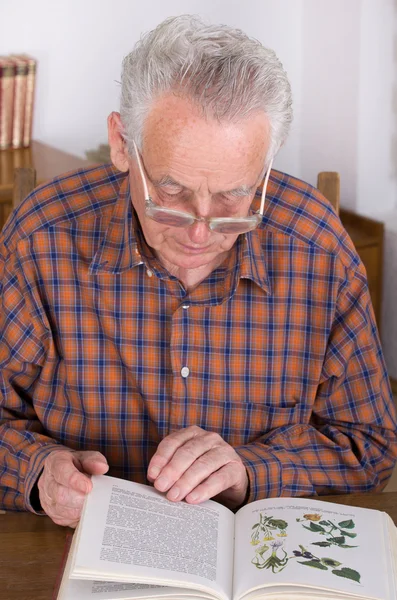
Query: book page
(72, 589)
(297, 542)
(108, 590)
(131, 533)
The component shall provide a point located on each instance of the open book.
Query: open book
(133, 543)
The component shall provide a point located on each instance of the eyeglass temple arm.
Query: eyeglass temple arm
(145, 188)
(262, 206)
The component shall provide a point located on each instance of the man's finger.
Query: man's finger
(196, 450)
(216, 483)
(61, 466)
(168, 446)
(93, 463)
(196, 473)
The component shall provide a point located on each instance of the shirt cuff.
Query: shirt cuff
(264, 472)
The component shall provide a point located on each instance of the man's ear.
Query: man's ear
(118, 146)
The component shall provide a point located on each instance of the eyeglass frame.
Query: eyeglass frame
(214, 221)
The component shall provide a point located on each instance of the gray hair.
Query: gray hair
(228, 74)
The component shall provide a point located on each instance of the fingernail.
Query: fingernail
(154, 471)
(162, 483)
(173, 494)
(193, 496)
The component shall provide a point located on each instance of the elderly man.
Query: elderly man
(161, 320)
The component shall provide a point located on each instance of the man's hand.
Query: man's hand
(196, 465)
(65, 482)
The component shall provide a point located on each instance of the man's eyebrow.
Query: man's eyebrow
(166, 180)
(239, 192)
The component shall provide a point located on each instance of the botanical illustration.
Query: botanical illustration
(269, 536)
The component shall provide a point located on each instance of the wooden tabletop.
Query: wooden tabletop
(31, 547)
(31, 550)
(47, 161)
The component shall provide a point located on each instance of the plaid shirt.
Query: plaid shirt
(276, 350)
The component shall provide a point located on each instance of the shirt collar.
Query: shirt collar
(253, 261)
(123, 246)
(118, 250)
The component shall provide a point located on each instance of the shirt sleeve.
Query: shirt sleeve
(23, 350)
(350, 443)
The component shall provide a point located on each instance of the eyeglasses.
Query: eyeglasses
(176, 218)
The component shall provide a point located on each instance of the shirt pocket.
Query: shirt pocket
(244, 422)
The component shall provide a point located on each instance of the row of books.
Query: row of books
(17, 83)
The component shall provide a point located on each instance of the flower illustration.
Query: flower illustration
(314, 517)
(269, 551)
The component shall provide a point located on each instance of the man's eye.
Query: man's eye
(172, 195)
(231, 200)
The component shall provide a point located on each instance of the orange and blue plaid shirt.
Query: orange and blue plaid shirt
(102, 349)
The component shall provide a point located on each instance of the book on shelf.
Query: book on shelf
(132, 542)
(21, 72)
(17, 85)
(7, 81)
(30, 84)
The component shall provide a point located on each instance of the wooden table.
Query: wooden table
(31, 547)
(48, 162)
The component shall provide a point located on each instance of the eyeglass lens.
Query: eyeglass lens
(222, 225)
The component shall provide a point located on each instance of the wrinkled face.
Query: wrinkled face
(199, 166)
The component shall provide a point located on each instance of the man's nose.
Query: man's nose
(199, 233)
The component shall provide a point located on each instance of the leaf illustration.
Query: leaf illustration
(349, 534)
(278, 523)
(256, 525)
(337, 540)
(347, 573)
(314, 563)
(262, 549)
(346, 546)
(322, 544)
(330, 562)
(314, 527)
(347, 524)
(325, 523)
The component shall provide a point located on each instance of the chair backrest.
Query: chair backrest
(24, 183)
(328, 182)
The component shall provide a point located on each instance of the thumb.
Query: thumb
(93, 463)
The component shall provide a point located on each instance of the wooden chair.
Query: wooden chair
(328, 182)
(24, 183)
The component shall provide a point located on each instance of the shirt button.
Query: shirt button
(149, 273)
(185, 306)
(185, 372)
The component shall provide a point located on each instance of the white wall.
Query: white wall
(377, 109)
(80, 44)
(331, 57)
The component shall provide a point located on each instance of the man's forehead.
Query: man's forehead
(176, 126)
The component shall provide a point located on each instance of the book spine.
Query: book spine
(7, 77)
(19, 102)
(31, 66)
(30, 88)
